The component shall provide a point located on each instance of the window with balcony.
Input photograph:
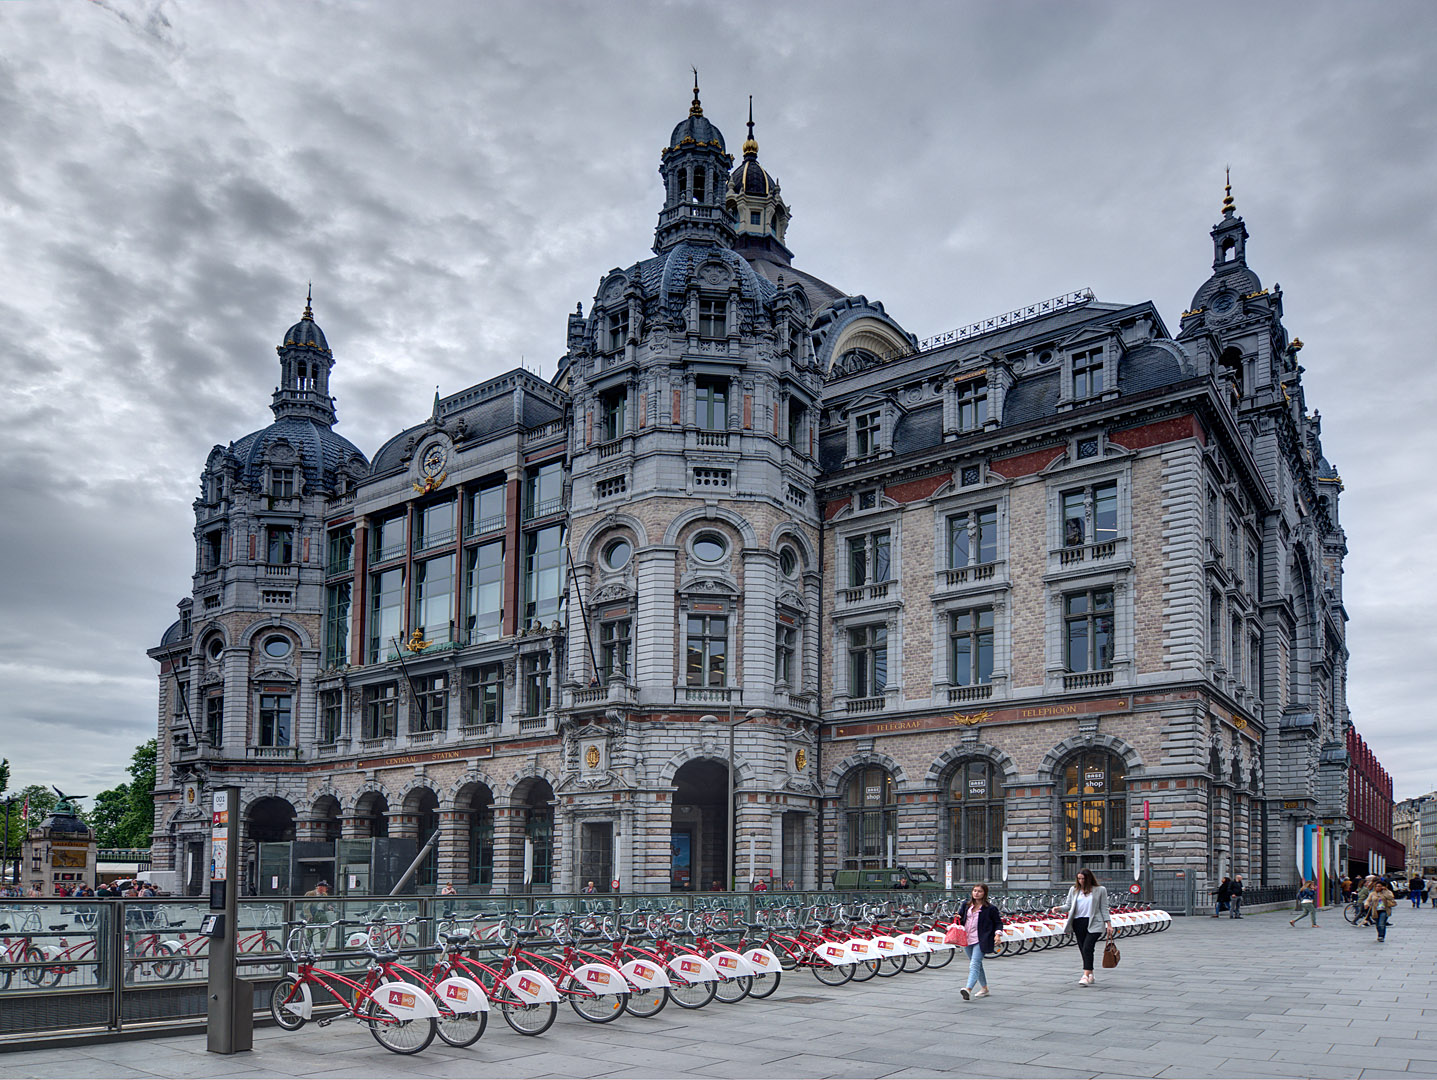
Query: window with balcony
(706, 650)
(536, 684)
(337, 623)
(484, 512)
(1235, 659)
(341, 550)
(711, 403)
(867, 429)
(1088, 374)
(1090, 515)
(617, 328)
(381, 711)
(970, 647)
(434, 599)
(869, 559)
(973, 538)
(389, 539)
(431, 703)
(281, 483)
(274, 720)
(215, 719)
(713, 318)
(331, 716)
(544, 490)
(1088, 630)
(434, 525)
(867, 661)
(616, 639)
(484, 592)
(212, 551)
(543, 574)
(972, 404)
(386, 612)
(484, 694)
(1254, 664)
(279, 545)
(785, 654)
(1214, 625)
(613, 406)
(796, 413)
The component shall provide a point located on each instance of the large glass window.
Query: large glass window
(785, 653)
(381, 711)
(1090, 515)
(711, 401)
(539, 830)
(973, 538)
(279, 545)
(215, 719)
(975, 821)
(484, 592)
(544, 490)
(536, 684)
(867, 661)
(484, 694)
(481, 850)
(871, 820)
(341, 550)
(869, 559)
(543, 574)
(614, 409)
(1088, 630)
(434, 598)
(1093, 812)
(707, 651)
(434, 525)
(331, 716)
(389, 539)
(386, 612)
(337, 623)
(274, 719)
(431, 703)
(486, 509)
(795, 424)
(615, 644)
(970, 647)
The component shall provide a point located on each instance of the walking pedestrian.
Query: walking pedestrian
(1088, 919)
(982, 921)
(1224, 894)
(1363, 891)
(1381, 901)
(1234, 902)
(1307, 904)
(1415, 888)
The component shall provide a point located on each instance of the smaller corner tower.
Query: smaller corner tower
(760, 215)
(694, 166)
(305, 361)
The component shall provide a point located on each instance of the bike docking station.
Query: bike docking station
(230, 1027)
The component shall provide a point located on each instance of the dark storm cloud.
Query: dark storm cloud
(172, 175)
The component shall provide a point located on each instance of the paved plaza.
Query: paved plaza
(1207, 998)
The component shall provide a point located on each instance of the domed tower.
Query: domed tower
(236, 670)
(694, 538)
(759, 213)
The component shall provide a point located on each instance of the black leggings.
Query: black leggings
(1086, 942)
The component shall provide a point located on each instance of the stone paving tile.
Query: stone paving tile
(1102, 1065)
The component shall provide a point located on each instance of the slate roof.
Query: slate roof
(321, 450)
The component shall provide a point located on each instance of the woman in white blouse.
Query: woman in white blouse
(1088, 919)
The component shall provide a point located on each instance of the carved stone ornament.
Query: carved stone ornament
(619, 590)
(592, 757)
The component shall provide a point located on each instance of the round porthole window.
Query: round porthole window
(787, 562)
(709, 547)
(214, 648)
(277, 646)
(617, 554)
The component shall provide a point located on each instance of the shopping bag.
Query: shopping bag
(956, 935)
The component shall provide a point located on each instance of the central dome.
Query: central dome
(696, 129)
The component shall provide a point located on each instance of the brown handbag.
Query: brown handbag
(1111, 956)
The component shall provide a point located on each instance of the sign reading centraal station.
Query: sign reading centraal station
(1017, 714)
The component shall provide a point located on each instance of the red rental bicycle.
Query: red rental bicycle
(402, 1017)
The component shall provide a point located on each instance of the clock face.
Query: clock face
(434, 459)
(1223, 302)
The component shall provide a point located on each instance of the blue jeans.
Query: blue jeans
(976, 976)
(1382, 914)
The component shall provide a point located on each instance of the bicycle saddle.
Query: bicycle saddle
(57, 925)
(386, 957)
(527, 933)
(756, 926)
(456, 939)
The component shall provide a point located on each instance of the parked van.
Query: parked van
(886, 878)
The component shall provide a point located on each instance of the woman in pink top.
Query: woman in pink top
(982, 921)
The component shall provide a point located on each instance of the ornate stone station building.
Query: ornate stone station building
(1005, 586)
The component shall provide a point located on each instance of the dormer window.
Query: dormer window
(972, 404)
(618, 329)
(281, 483)
(713, 318)
(867, 428)
(1088, 374)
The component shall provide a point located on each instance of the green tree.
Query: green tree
(107, 817)
(124, 815)
(4, 775)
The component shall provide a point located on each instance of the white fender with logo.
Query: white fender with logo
(763, 960)
(357, 940)
(532, 987)
(404, 1001)
(914, 943)
(601, 979)
(462, 995)
(646, 975)
(693, 968)
(887, 946)
(730, 964)
(302, 1006)
(860, 949)
(836, 952)
(934, 938)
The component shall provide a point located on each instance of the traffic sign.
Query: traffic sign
(1135, 888)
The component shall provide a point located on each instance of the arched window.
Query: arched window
(539, 831)
(974, 813)
(871, 820)
(1093, 814)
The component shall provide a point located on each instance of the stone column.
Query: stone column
(509, 848)
(452, 859)
(353, 827)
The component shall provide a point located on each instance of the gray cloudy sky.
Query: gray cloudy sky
(455, 176)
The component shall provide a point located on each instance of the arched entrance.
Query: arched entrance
(373, 810)
(325, 814)
(478, 801)
(698, 848)
(269, 820)
(423, 805)
(269, 835)
(536, 799)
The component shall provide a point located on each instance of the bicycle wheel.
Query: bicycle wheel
(889, 966)
(646, 1003)
(939, 958)
(764, 984)
(460, 1029)
(594, 1007)
(919, 960)
(788, 954)
(690, 995)
(286, 991)
(399, 1036)
(864, 970)
(733, 989)
(1351, 913)
(529, 1019)
(832, 974)
(164, 966)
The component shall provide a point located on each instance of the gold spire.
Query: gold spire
(308, 299)
(696, 109)
(750, 145)
(1228, 206)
